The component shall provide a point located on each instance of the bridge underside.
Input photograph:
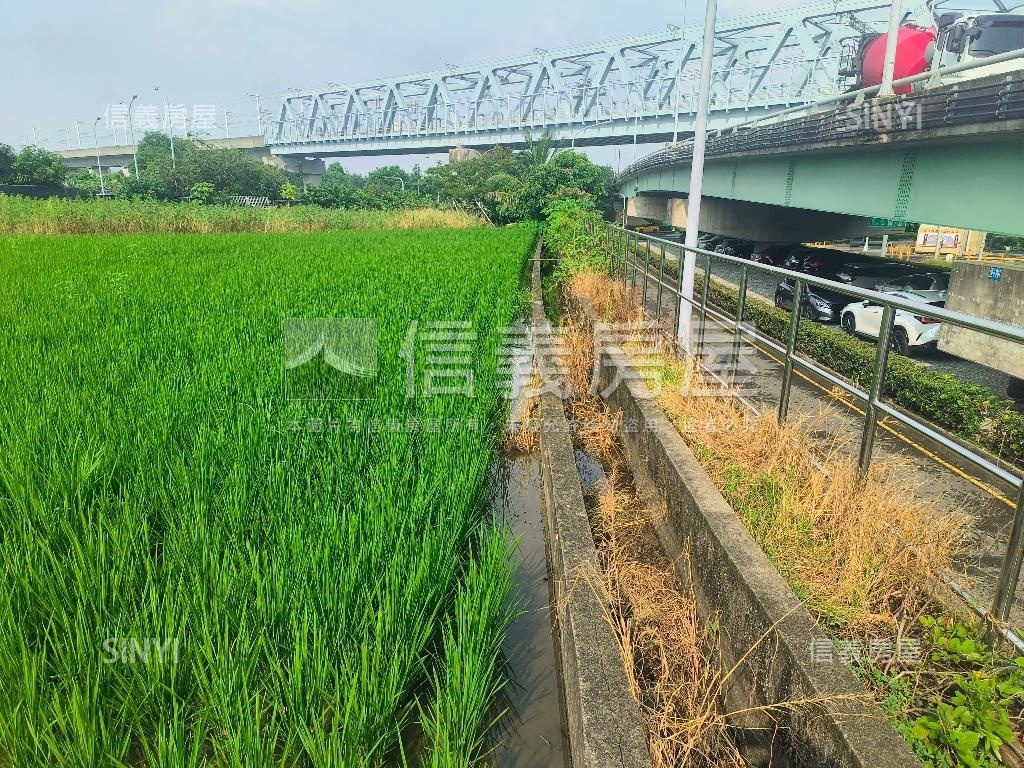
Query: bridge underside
(755, 221)
(971, 177)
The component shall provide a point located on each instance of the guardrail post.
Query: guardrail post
(743, 298)
(661, 283)
(705, 290)
(867, 442)
(737, 341)
(679, 292)
(647, 271)
(625, 257)
(787, 371)
(1009, 573)
(636, 256)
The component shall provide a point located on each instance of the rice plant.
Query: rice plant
(201, 571)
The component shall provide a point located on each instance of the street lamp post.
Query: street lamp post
(99, 167)
(679, 76)
(78, 132)
(131, 126)
(259, 114)
(67, 137)
(700, 130)
(170, 129)
(399, 179)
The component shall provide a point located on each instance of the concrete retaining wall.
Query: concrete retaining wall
(734, 580)
(605, 728)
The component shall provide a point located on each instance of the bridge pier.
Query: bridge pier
(311, 169)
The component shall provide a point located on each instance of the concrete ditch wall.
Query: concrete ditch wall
(734, 580)
(605, 728)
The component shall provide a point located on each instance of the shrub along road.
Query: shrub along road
(763, 285)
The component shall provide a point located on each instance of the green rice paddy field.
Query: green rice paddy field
(199, 569)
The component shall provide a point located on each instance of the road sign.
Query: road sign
(888, 224)
(995, 273)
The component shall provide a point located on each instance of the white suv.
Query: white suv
(909, 331)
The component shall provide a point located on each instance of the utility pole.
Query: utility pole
(700, 130)
(131, 125)
(259, 114)
(99, 167)
(889, 66)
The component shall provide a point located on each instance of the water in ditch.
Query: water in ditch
(533, 734)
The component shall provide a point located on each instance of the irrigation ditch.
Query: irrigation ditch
(755, 695)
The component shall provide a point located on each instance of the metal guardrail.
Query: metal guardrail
(989, 99)
(624, 247)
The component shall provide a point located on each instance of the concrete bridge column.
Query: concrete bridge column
(311, 169)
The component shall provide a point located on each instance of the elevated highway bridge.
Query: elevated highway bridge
(953, 155)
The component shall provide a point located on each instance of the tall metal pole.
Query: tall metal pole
(259, 115)
(99, 167)
(700, 130)
(170, 130)
(78, 132)
(135, 146)
(679, 77)
(889, 66)
(636, 127)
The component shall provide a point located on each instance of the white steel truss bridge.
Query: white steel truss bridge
(636, 89)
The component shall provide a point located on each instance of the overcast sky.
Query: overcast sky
(65, 61)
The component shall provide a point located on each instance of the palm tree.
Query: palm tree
(539, 151)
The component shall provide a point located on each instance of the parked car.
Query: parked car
(731, 246)
(818, 304)
(868, 274)
(909, 332)
(933, 286)
(823, 260)
(708, 241)
(773, 254)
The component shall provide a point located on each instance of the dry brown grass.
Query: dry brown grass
(523, 435)
(669, 650)
(863, 555)
(669, 653)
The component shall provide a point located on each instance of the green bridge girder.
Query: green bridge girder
(973, 181)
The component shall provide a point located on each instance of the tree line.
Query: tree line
(503, 184)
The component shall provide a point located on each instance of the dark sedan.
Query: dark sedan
(818, 304)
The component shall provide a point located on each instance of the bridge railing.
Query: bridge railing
(642, 259)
